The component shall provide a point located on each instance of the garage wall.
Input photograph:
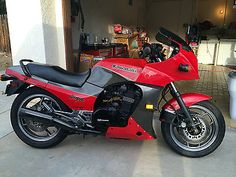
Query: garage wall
(171, 14)
(24, 24)
(210, 10)
(100, 15)
(53, 32)
(37, 32)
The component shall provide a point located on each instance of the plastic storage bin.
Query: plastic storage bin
(232, 92)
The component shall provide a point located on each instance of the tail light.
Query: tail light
(5, 77)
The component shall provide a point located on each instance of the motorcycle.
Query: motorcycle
(116, 99)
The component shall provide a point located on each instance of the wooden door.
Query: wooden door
(66, 8)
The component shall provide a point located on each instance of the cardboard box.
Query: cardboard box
(85, 62)
(126, 39)
(134, 53)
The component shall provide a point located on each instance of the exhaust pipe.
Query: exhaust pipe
(45, 118)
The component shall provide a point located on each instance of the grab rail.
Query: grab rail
(24, 67)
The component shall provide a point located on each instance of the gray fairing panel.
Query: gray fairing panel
(17, 69)
(102, 77)
(145, 117)
(87, 88)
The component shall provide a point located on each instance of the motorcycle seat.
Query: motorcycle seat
(57, 74)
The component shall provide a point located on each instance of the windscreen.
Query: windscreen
(168, 38)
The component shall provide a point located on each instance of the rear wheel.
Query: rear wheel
(35, 133)
(202, 141)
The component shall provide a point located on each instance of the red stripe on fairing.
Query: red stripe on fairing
(63, 94)
(129, 132)
(137, 64)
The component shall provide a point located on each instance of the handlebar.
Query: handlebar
(154, 52)
(145, 52)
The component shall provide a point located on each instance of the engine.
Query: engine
(115, 105)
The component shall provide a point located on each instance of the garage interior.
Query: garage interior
(213, 28)
(120, 28)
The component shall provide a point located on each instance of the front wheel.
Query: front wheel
(209, 135)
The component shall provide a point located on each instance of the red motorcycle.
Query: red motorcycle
(117, 99)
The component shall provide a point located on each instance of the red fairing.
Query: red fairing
(26, 79)
(189, 100)
(85, 102)
(126, 67)
(162, 73)
(129, 132)
(157, 74)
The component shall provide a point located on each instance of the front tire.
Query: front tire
(33, 133)
(211, 132)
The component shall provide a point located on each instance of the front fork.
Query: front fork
(175, 93)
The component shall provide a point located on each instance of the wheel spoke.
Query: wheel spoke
(48, 132)
(204, 114)
(23, 122)
(41, 101)
(211, 123)
(187, 144)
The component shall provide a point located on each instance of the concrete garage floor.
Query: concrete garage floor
(101, 157)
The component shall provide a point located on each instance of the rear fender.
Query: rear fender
(168, 110)
(15, 87)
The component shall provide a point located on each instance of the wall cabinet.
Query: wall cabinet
(217, 52)
(207, 52)
(227, 53)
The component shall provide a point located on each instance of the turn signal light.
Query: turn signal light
(184, 67)
(149, 106)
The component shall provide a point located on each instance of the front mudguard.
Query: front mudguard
(168, 110)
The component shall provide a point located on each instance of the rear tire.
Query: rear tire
(211, 134)
(27, 130)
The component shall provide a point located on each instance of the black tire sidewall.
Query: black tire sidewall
(165, 127)
(61, 135)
